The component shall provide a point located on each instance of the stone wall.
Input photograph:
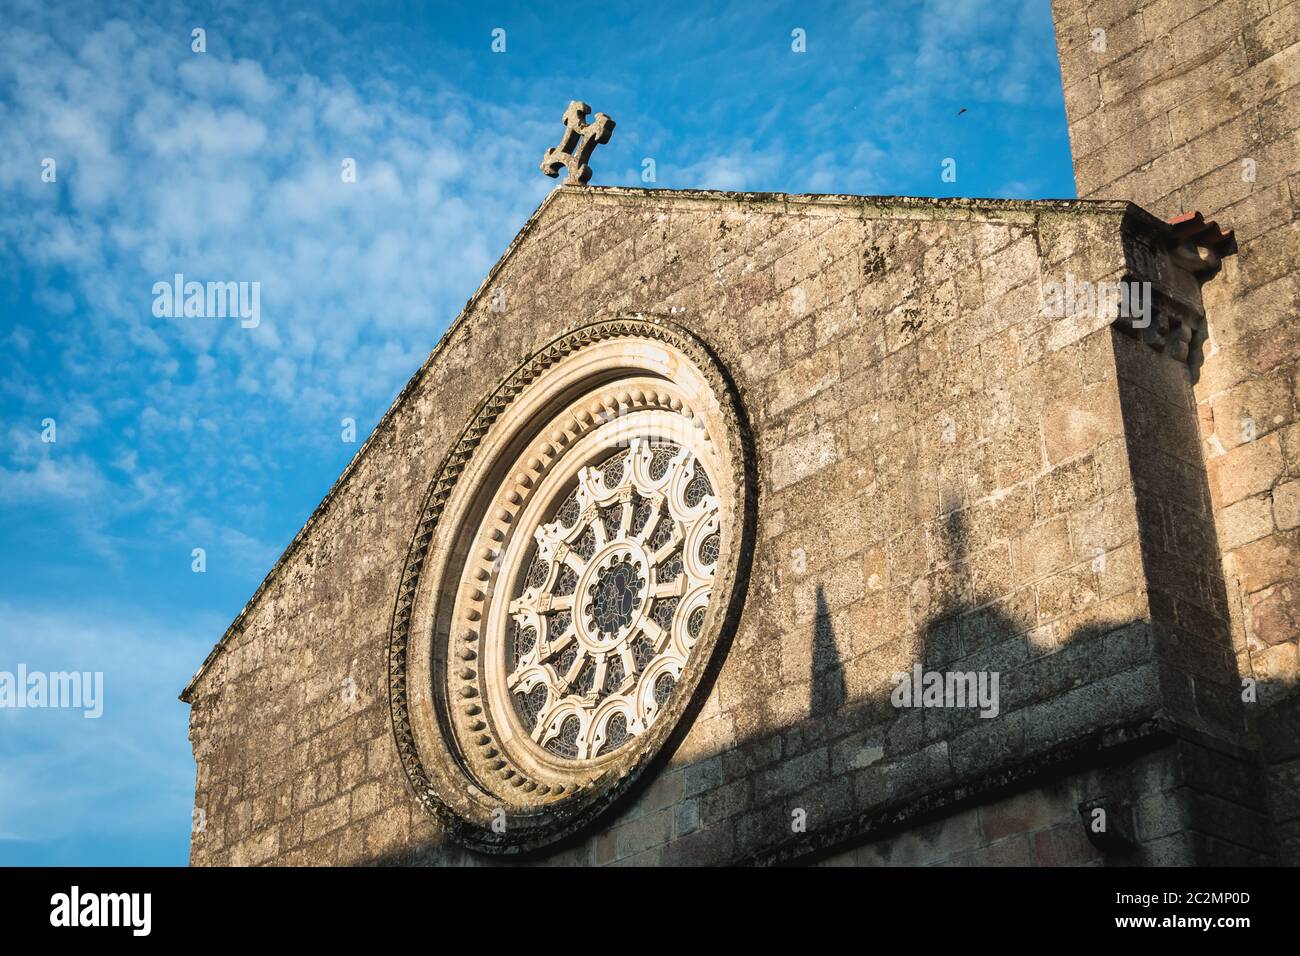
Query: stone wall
(1186, 105)
(1158, 808)
(947, 477)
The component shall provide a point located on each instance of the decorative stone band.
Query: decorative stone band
(461, 738)
(1176, 258)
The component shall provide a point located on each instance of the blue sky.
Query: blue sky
(175, 434)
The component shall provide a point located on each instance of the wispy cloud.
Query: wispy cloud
(170, 161)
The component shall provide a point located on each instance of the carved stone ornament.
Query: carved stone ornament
(577, 144)
(571, 584)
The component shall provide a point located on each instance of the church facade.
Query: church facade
(758, 528)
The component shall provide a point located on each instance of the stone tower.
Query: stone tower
(1185, 105)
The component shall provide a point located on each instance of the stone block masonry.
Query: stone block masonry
(946, 477)
(1195, 104)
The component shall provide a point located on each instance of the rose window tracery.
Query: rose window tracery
(571, 582)
(597, 638)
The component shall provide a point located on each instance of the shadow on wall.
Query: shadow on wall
(828, 691)
(862, 771)
(1136, 706)
(1118, 707)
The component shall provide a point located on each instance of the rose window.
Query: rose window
(598, 632)
(571, 583)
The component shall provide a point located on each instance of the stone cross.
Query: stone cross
(580, 139)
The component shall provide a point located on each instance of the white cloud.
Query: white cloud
(213, 167)
(982, 50)
(48, 479)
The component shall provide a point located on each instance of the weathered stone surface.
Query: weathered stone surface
(1211, 89)
(938, 491)
(580, 139)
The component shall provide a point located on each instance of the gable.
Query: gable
(756, 264)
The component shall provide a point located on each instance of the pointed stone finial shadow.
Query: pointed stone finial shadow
(828, 692)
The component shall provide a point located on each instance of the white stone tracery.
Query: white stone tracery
(629, 412)
(605, 618)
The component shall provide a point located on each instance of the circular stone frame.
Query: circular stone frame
(455, 750)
